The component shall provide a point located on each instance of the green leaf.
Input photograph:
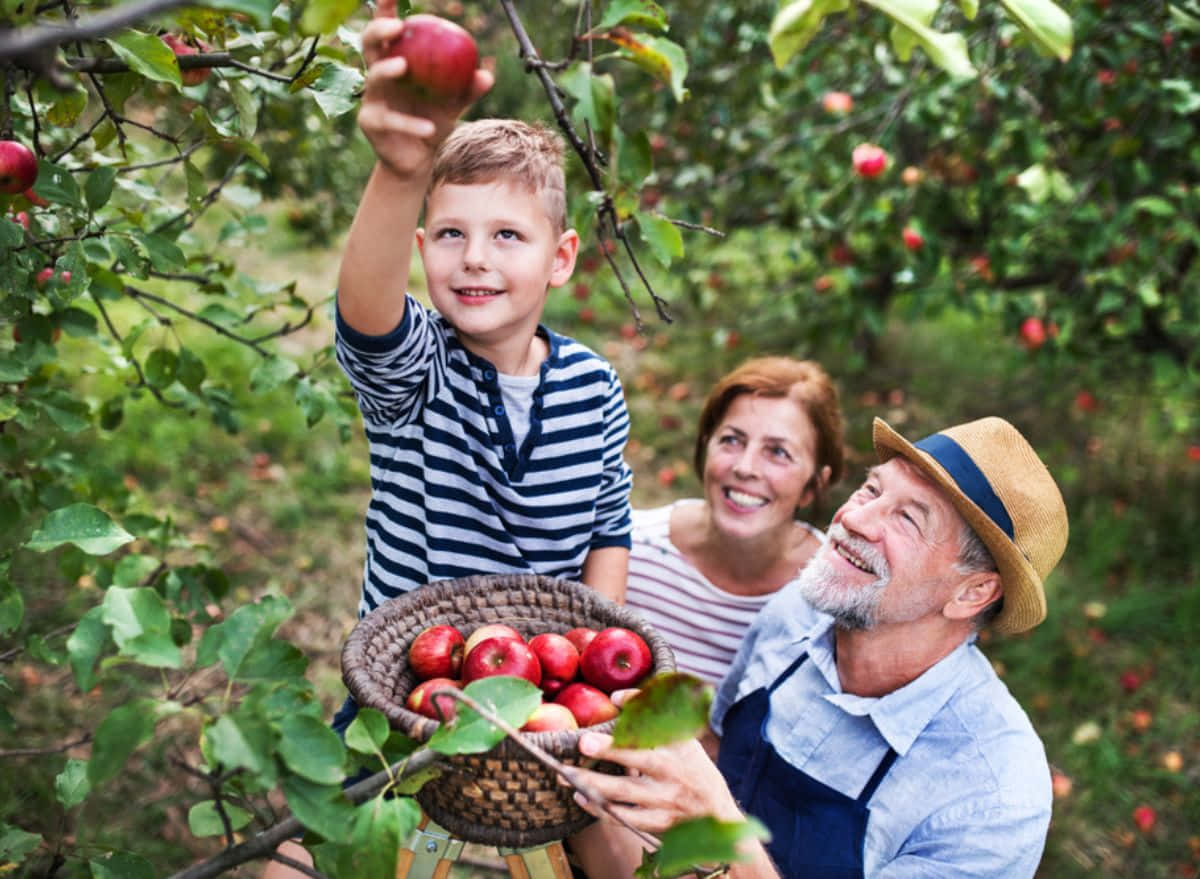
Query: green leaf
(84, 647)
(1185, 99)
(67, 108)
(796, 23)
(368, 731)
(947, 50)
(595, 101)
(512, 699)
(903, 39)
(661, 58)
(970, 8)
(335, 88)
(146, 54)
(141, 626)
(15, 844)
(380, 827)
(634, 13)
(246, 104)
(121, 865)
(67, 411)
(205, 820)
(232, 640)
(272, 660)
(702, 841)
(12, 607)
(634, 157)
(1154, 205)
(160, 367)
(125, 729)
(88, 527)
(191, 370)
(672, 707)
(324, 16)
(99, 186)
(234, 745)
(309, 747)
(71, 786)
(271, 373)
(197, 186)
(323, 809)
(259, 10)
(164, 253)
(661, 236)
(57, 185)
(1047, 24)
(135, 570)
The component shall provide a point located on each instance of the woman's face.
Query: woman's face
(759, 465)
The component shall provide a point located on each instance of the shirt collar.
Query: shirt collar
(901, 715)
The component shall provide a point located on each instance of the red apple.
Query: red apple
(869, 160)
(1145, 817)
(558, 658)
(1193, 453)
(194, 75)
(913, 239)
(18, 167)
(837, 102)
(589, 705)
(616, 658)
(21, 218)
(441, 57)
(437, 652)
(912, 175)
(1033, 333)
(1085, 401)
(47, 274)
(501, 656)
(550, 717)
(422, 700)
(491, 630)
(580, 637)
(35, 199)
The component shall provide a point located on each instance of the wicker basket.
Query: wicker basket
(503, 797)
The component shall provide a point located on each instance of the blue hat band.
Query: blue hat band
(968, 477)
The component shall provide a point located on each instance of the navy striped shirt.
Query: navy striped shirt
(451, 495)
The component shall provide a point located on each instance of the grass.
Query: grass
(1108, 680)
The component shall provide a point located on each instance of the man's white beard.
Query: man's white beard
(852, 605)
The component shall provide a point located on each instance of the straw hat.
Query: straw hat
(997, 482)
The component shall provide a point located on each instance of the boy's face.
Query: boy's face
(490, 253)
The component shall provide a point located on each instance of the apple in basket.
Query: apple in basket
(423, 701)
(501, 656)
(615, 659)
(437, 652)
(580, 637)
(491, 630)
(589, 705)
(558, 658)
(550, 717)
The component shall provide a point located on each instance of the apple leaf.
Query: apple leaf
(126, 728)
(335, 89)
(121, 865)
(670, 708)
(148, 55)
(664, 60)
(259, 10)
(947, 50)
(322, 808)
(903, 39)
(796, 23)
(1046, 24)
(98, 187)
(634, 13)
(71, 785)
(309, 747)
(661, 236)
(16, 843)
(232, 640)
(160, 367)
(700, 841)
(12, 606)
(85, 645)
(511, 698)
(367, 732)
(204, 819)
(57, 185)
(380, 827)
(141, 626)
(88, 527)
(594, 100)
(324, 16)
(970, 8)
(271, 373)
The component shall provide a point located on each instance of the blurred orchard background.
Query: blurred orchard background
(184, 471)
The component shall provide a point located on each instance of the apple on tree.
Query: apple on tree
(913, 239)
(437, 652)
(838, 103)
(18, 167)
(869, 160)
(193, 75)
(589, 704)
(442, 59)
(615, 659)
(501, 656)
(423, 701)
(1033, 333)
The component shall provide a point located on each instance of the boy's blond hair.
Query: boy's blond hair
(530, 154)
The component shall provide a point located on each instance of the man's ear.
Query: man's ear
(975, 593)
(564, 258)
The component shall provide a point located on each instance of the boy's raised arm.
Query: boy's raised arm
(373, 278)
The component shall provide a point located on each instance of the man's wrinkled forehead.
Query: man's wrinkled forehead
(901, 475)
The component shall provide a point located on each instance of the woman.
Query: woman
(769, 445)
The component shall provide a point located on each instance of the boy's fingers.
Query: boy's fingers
(378, 36)
(484, 80)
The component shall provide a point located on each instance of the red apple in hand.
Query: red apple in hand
(491, 630)
(869, 160)
(580, 637)
(437, 652)
(558, 657)
(550, 717)
(18, 167)
(441, 56)
(589, 705)
(617, 658)
(501, 656)
(422, 700)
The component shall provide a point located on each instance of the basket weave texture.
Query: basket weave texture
(503, 797)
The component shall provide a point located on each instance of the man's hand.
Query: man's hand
(403, 131)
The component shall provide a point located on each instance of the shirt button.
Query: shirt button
(499, 410)
(509, 447)
(489, 374)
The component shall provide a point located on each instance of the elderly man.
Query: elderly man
(860, 722)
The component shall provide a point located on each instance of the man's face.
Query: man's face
(891, 552)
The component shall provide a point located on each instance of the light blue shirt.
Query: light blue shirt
(969, 795)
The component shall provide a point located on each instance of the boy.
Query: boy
(496, 445)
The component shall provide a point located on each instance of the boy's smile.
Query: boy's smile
(491, 253)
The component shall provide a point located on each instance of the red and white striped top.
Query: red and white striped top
(703, 623)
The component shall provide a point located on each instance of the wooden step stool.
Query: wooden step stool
(432, 851)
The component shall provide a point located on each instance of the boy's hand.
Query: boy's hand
(403, 132)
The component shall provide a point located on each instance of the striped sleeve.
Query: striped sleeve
(613, 519)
